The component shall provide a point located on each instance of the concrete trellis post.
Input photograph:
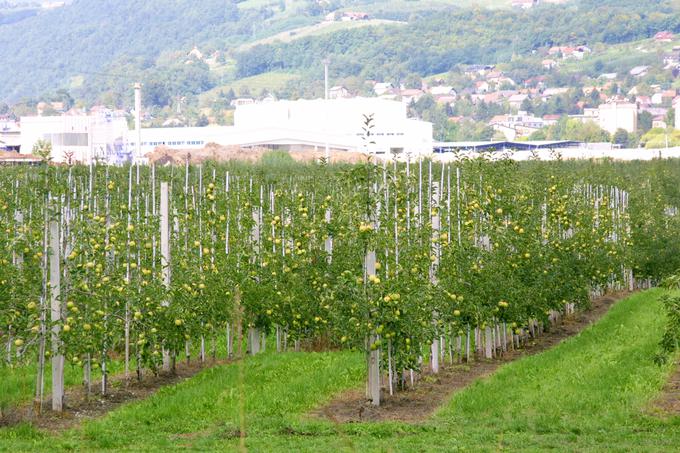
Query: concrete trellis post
(374, 354)
(165, 252)
(56, 317)
(435, 251)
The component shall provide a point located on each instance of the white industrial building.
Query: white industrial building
(82, 138)
(615, 115)
(307, 124)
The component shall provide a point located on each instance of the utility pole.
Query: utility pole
(138, 120)
(326, 62)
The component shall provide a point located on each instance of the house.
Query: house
(516, 100)
(549, 64)
(524, 4)
(664, 36)
(443, 90)
(242, 101)
(348, 16)
(411, 95)
(549, 120)
(481, 86)
(195, 53)
(550, 92)
(666, 96)
(663, 97)
(478, 69)
(514, 126)
(639, 71)
(338, 92)
(608, 76)
(501, 80)
(643, 101)
(445, 100)
(659, 122)
(381, 88)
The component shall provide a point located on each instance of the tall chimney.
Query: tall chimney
(138, 120)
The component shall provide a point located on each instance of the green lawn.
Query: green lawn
(591, 393)
(17, 384)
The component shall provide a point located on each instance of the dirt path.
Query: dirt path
(79, 406)
(431, 391)
(668, 402)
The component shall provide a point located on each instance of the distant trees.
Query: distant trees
(621, 138)
(660, 138)
(436, 41)
(573, 129)
(645, 121)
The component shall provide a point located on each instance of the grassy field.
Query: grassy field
(17, 385)
(269, 81)
(591, 393)
(316, 30)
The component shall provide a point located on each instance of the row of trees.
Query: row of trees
(403, 262)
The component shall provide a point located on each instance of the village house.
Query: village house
(639, 71)
(346, 16)
(516, 100)
(443, 90)
(524, 4)
(478, 70)
(643, 101)
(550, 92)
(338, 92)
(242, 101)
(411, 95)
(481, 86)
(577, 52)
(516, 126)
(450, 100)
(549, 64)
(381, 88)
(659, 122)
(664, 36)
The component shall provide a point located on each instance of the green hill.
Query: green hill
(97, 48)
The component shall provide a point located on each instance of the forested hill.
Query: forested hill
(95, 48)
(435, 41)
(43, 51)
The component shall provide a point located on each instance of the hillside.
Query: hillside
(110, 44)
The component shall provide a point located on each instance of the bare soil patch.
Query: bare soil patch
(668, 402)
(78, 405)
(432, 390)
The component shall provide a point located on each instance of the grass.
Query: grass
(17, 384)
(269, 81)
(317, 29)
(590, 393)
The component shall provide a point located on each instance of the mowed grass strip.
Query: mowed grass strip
(590, 393)
(274, 387)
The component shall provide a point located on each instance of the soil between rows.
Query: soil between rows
(668, 402)
(432, 390)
